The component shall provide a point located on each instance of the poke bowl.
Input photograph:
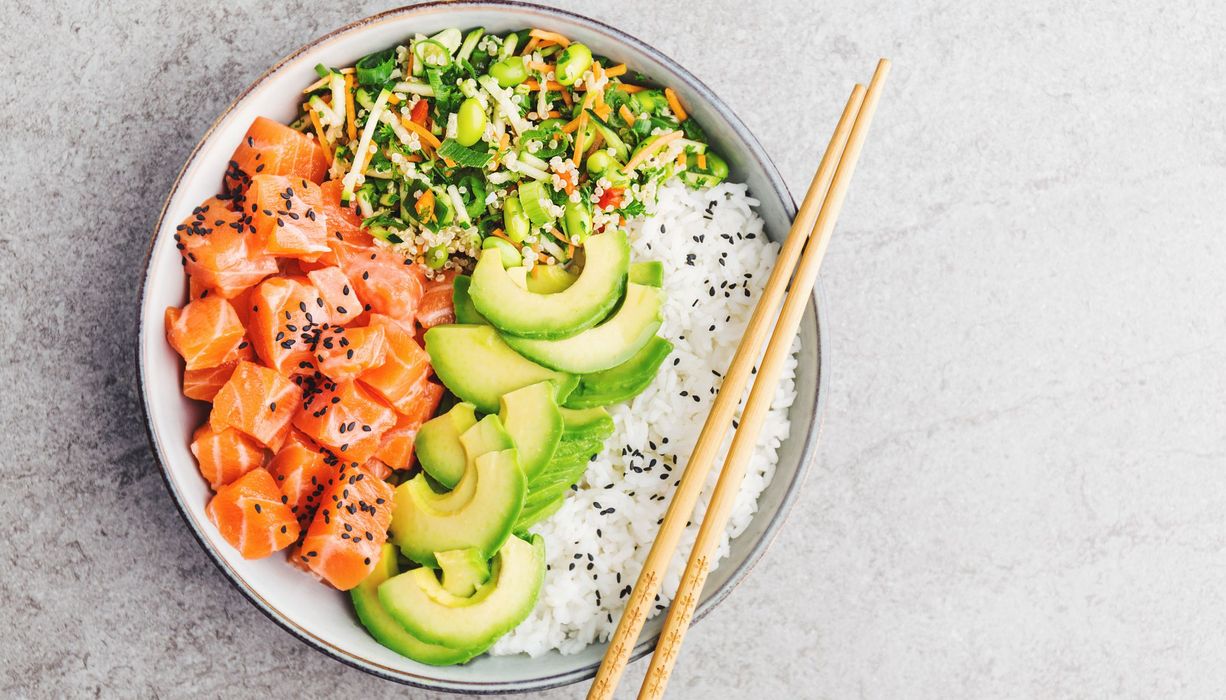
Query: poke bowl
(695, 216)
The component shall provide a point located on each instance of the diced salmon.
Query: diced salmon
(288, 216)
(302, 472)
(345, 418)
(204, 332)
(258, 401)
(384, 282)
(436, 305)
(377, 468)
(250, 515)
(344, 353)
(203, 384)
(396, 449)
(404, 366)
(343, 542)
(339, 297)
(272, 148)
(343, 222)
(287, 319)
(225, 456)
(218, 251)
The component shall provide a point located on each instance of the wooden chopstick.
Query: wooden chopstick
(756, 408)
(642, 598)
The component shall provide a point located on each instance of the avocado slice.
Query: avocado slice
(517, 311)
(479, 512)
(438, 445)
(622, 382)
(464, 570)
(532, 418)
(528, 518)
(384, 628)
(648, 272)
(465, 312)
(586, 423)
(418, 601)
(477, 366)
(550, 279)
(606, 345)
(486, 435)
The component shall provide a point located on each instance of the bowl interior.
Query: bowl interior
(319, 615)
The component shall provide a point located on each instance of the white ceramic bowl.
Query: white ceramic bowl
(318, 615)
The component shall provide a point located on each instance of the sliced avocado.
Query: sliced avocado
(622, 382)
(480, 516)
(532, 419)
(477, 366)
(418, 601)
(438, 446)
(550, 279)
(465, 312)
(464, 570)
(486, 435)
(528, 518)
(384, 628)
(648, 272)
(557, 477)
(517, 311)
(606, 345)
(571, 449)
(587, 423)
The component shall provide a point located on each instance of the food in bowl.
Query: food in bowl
(459, 324)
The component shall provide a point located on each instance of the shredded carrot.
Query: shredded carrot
(626, 114)
(603, 111)
(351, 124)
(319, 131)
(504, 141)
(421, 131)
(549, 85)
(579, 145)
(566, 97)
(425, 203)
(393, 98)
(346, 71)
(553, 114)
(499, 233)
(414, 158)
(571, 125)
(553, 231)
(631, 89)
(540, 67)
(615, 71)
(550, 36)
(567, 184)
(647, 152)
(570, 250)
(681, 159)
(675, 104)
(702, 161)
(528, 47)
(597, 71)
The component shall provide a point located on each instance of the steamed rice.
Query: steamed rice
(716, 260)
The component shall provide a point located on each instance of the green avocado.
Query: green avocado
(384, 628)
(550, 279)
(464, 570)
(532, 419)
(479, 512)
(528, 518)
(477, 366)
(622, 382)
(586, 423)
(517, 311)
(465, 312)
(438, 445)
(606, 345)
(418, 601)
(648, 272)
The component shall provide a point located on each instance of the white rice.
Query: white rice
(596, 543)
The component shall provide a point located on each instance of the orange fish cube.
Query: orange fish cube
(339, 297)
(396, 449)
(225, 456)
(288, 216)
(287, 318)
(272, 148)
(345, 418)
(218, 253)
(251, 516)
(344, 353)
(302, 472)
(343, 542)
(259, 402)
(405, 365)
(205, 331)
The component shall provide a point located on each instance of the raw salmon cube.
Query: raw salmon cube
(288, 216)
(218, 251)
(287, 319)
(436, 306)
(405, 365)
(205, 331)
(225, 456)
(302, 472)
(203, 384)
(343, 542)
(345, 418)
(339, 296)
(251, 516)
(396, 449)
(344, 353)
(258, 401)
(272, 148)
(384, 282)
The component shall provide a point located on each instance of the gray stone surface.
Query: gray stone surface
(1020, 489)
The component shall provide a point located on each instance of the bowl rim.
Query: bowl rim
(769, 533)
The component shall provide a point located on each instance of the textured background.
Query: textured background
(1020, 489)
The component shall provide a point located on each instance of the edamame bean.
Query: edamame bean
(576, 59)
(510, 256)
(470, 122)
(509, 72)
(599, 162)
(514, 220)
(436, 257)
(577, 221)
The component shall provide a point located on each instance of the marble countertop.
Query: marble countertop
(1020, 488)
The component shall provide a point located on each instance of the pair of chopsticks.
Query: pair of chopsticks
(818, 213)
